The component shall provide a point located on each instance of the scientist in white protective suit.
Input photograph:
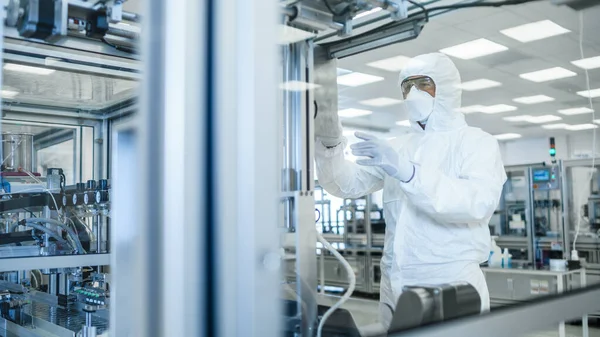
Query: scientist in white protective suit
(441, 183)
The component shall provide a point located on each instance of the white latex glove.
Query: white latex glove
(382, 155)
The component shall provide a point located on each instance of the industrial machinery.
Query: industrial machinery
(70, 74)
(530, 221)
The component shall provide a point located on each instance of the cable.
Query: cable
(591, 103)
(425, 11)
(40, 228)
(351, 278)
(37, 282)
(481, 4)
(125, 49)
(47, 191)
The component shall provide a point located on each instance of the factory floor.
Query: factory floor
(366, 313)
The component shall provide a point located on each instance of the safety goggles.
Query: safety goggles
(423, 83)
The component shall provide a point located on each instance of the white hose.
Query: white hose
(351, 278)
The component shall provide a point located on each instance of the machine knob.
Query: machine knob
(103, 184)
(91, 185)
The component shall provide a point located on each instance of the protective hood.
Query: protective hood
(446, 115)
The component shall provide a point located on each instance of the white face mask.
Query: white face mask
(419, 105)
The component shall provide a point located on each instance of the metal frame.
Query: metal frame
(566, 187)
(63, 261)
(529, 317)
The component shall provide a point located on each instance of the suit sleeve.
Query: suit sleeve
(343, 178)
(471, 197)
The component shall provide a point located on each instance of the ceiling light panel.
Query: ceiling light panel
(298, 86)
(533, 119)
(579, 127)
(575, 111)
(394, 64)
(351, 113)
(534, 31)
(474, 49)
(498, 108)
(342, 71)
(28, 69)
(403, 123)
(372, 11)
(592, 93)
(381, 102)
(548, 74)
(478, 84)
(9, 93)
(588, 63)
(288, 35)
(470, 109)
(357, 79)
(506, 136)
(520, 118)
(557, 126)
(543, 119)
(533, 99)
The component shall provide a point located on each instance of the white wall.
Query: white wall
(535, 150)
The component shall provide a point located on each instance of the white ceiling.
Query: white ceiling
(464, 25)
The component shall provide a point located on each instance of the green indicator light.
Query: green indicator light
(552, 152)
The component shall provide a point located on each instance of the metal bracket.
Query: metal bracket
(355, 45)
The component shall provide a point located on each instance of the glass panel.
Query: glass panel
(510, 221)
(64, 89)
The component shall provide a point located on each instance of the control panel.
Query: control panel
(545, 178)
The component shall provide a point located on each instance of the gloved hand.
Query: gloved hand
(328, 129)
(382, 155)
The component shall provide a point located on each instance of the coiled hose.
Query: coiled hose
(351, 278)
(34, 223)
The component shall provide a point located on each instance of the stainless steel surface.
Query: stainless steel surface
(306, 271)
(27, 263)
(19, 251)
(17, 151)
(48, 315)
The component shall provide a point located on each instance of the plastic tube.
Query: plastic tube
(34, 221)
(351, 278)
(63, 226)
(41, 228)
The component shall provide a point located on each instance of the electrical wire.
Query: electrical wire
(37, 282)
(591, 103)
(481, 4)
(424, 10)
(351, 278)
(47, 191)
(125, 49)
(427, 13)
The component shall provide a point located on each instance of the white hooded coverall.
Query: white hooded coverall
(437, 223)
